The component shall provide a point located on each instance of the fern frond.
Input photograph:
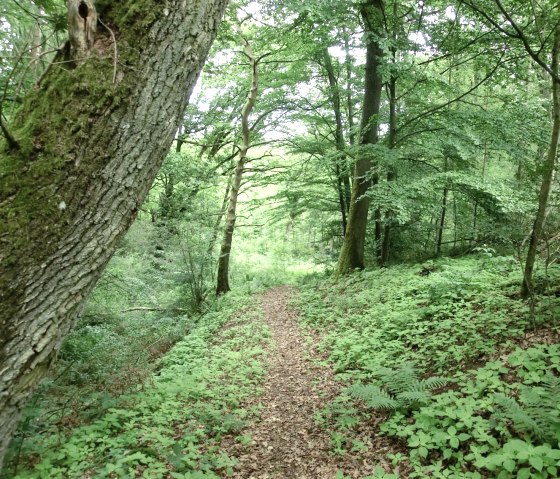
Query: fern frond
(551, 385)
(530, 397)
(399, 380)
(373, 396)
(434, 382)
(521, 420)
(401, 388)
(412, 398)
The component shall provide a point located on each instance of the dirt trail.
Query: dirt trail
(287, 444)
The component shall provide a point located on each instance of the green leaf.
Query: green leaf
(509, 465)
(536, 462)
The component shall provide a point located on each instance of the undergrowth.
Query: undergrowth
(500, 415)
(172, 425)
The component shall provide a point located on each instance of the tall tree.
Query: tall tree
(222, 283)
(79, 157)
(352, 253)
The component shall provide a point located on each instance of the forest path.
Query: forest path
(286, 442)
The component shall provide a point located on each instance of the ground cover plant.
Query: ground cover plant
(499, 414)
(173, 423)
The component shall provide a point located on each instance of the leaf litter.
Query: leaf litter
(286, 442)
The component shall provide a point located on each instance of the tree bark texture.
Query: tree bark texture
(90, 145)
(82, 25)
(352, 253)
(222, 284)
(350, 111)
(549, 167)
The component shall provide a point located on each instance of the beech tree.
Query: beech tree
(77, 160)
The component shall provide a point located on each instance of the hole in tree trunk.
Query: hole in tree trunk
(83, 10)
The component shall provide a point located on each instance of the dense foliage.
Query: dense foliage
(446, 345)
(498, 417)
(173, 419)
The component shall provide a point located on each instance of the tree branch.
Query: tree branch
(447, 103)
(517, 33)
(10, 139)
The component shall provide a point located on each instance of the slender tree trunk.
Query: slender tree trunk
(179, 140)
(392, 140)
(222, 285)
(216, 228)
(341, 173)
(36, 48)
(90, 142)
(350, 109)
(475, 213)
(166, 197)
(341, 199)
(548, 174)
(392, 172)
(454, 218)
(440, 223)
(352, 253)
(349, 100)
(378, 227)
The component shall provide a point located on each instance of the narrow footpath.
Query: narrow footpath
(286, 442)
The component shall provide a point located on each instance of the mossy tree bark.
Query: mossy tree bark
(352, 253)
(222, 282)
(89, 143)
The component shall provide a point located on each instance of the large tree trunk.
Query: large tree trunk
(89, 144)
(548, 173)
(352, 253)
(222, 284)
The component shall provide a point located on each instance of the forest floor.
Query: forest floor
(287, 441)
(261, 386)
